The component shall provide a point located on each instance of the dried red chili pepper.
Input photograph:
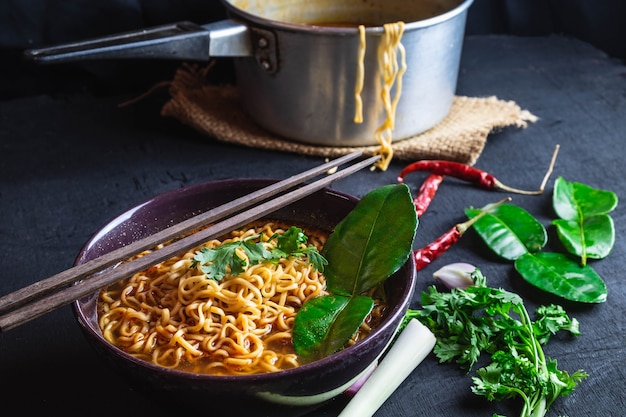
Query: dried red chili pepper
(426, 193)
(469, 173)
(426, 255)
(463, 172)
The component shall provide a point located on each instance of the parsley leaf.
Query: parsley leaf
(293, 242)
(479, 319)
(234, 257)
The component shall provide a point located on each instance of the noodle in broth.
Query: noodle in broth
(174, 316)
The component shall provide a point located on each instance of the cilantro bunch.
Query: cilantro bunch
(239, 254)
(479, 319)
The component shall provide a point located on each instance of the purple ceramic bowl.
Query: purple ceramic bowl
(308, 384)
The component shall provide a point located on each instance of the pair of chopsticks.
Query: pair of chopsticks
(58, 290)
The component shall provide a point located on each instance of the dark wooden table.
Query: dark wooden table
(70, 163)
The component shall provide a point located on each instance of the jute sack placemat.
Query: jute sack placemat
(461, 136)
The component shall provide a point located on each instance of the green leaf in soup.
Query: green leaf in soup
(557, 274)
(324, 324)
(594, 239)
(576, 201)
(509, 231)
(372, 242)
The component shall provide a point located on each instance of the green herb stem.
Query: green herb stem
(479, 319)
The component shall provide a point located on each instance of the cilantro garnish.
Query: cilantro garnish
(292, 243)
(480, 319)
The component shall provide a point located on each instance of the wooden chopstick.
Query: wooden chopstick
(44, 296)
(79, 272)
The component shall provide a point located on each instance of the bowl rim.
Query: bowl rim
(392, 318)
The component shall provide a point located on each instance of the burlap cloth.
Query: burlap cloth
(461, 136)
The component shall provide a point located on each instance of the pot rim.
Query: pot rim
(325, 30)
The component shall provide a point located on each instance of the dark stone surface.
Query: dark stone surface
(70, 162)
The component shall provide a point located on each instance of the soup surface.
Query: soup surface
(174, 315)
(350, 13)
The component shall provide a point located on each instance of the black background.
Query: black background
(28, 24)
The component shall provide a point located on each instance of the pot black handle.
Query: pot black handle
(182, 40)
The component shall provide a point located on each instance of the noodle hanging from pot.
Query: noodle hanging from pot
(392, 66)
(360, 75)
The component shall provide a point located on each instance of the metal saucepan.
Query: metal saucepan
(296, 61)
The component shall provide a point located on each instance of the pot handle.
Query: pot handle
(182, 40)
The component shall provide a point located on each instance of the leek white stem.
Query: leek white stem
(411, 347)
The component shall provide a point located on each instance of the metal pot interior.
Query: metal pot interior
(347, 13)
